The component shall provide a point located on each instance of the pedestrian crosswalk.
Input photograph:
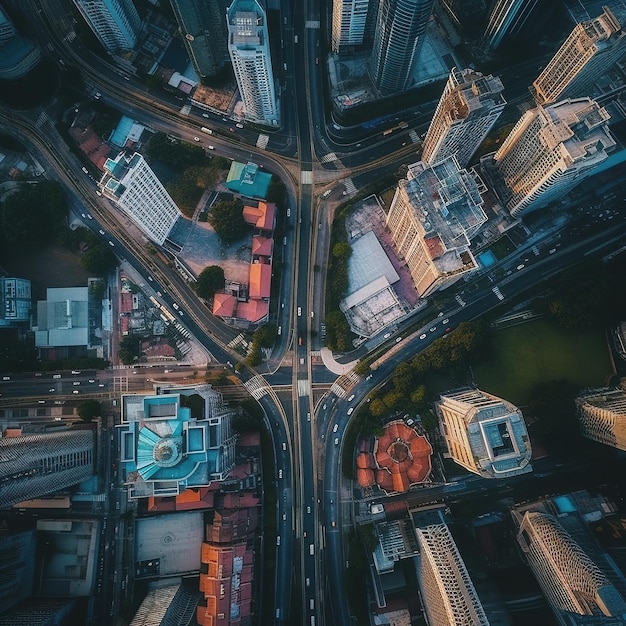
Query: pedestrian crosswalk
(42, 119)
(262, 141)
(350, 186)
(256, 387)
(498, 293)
(343, 384)
(303, 387)
(70, 36)
(185, 110)
(413, 136)
(306, 177)
(328, 158)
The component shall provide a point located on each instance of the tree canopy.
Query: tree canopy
(211, 279)
(88, 409)
(176, 154)
(99, 260)
(227, 219)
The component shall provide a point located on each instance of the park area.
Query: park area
(540, 351)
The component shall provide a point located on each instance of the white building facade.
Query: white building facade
(550, 150)
(115, 23)
(249, 50)
(134, 187)
(469, 107)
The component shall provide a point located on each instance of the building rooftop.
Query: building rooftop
(247, 180)
(63, 318)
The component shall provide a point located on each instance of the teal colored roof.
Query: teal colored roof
(247, 180)
(120, 134)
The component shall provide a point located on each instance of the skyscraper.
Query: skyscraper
(592, 48)
(131, 183)
(510, 18)
(549, 151)
(469, 107)
(433, 215)
(484, 434)
(249, 49)
(115, 23)
(398, 38)
(32, 466)
(349, 22)
(202, 24)
(573, 584)
(449, 596)
(602, 416)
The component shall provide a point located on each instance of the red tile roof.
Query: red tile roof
(261, 216)
(224, 304)
(262, 246)
(260, 281)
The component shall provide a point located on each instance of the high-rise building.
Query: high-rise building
(550, 150)
(202, 23)
(592, 48)
(18, 55)
(398, 38)
(349, 23)
(166, 447)
(249, 49)
(469, 107)
(32, 466)
(602, 416)
(115, 23)
(511, 18)
(134, 187)
(448, 594)
(433, 215)
(17, 566)
(484, 434)
(577, 590)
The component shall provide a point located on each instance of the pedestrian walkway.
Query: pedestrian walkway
(262, 141)
(328, 158)
(333, 366)
(350, 186)
(256, 387)
(414, 137)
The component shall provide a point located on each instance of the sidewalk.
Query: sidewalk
(334, 366)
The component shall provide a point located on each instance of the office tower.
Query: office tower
(469, 107)
(202, 24)
(433, 215)
(448, 594)
(32, 466)
(511, 18)
(484, 434)
(249, 49)
(134, 187)
(398, 38)
(602, 416)
(166, 447)
(592, 48)
(549, 151)
(349, 23)
(115, 23)
(18, 55)
(577, 590)
(15, 301)
(17, 566)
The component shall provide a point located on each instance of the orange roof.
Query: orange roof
(260, 280)
(365, 477)
(224, 304)
(262, 246)
(261, 216)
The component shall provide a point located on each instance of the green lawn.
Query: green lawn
(527, 354)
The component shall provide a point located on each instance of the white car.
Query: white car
(111, 243)
(423, 336)
(446, 320)
(239, 125)
(432, 329)
(196, 138)
(75, 391)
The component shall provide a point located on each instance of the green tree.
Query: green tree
(227, 219)
(419, 395)
(402, 378)
(338, 333)
(342, 250)
(88, 409)
(255, 356)
(265, 335)
(377, 407)
(99, 260)
(211, 279)
(129, 350)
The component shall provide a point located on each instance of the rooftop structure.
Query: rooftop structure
(434, 214)
(249, 49)
(32, 466)
(203, 28)
(15, 301)
(63, 318)
(115, 23)
(165, 449)
(550, 151)
(577, 589)
(469, 107)
(449, 596)
(248, 180)
(602, 416)
(349, 22)
(134, 187)
(592, 48)
(261, 216)
(484, 434)
(398, 38)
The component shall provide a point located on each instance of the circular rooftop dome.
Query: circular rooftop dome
(167, 452)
